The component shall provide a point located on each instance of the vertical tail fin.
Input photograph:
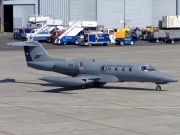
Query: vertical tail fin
(34, 51)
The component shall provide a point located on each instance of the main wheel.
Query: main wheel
(48, 40)
(84, 86)
(121, 43)
(132, 42)
(117, 43)
(140, 37)
(105, 44)
(97, 84)
(157, 40)
(75, 42)
(158, 88)
(172, 41)
(89, 44)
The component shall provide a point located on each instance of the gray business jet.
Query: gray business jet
(81, 71)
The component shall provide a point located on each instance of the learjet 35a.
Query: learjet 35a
(81, 71)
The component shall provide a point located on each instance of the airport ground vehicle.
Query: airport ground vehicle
(157, 36)
(146, 32)
(70, 35)
(112, 34)
(122, 32)
(44, 33)
(172, 37)
(150, 29)
(94, 38)
(130, 39)
(21, 33)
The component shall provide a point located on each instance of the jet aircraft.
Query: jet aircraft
(80, 71)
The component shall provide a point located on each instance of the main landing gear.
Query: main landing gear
(158, 88)
(96, 84)
(84, 86)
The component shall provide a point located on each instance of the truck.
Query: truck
(112, 34)
(146, 32)
(21, 33)
(94, 38)
(122, 32)
(45, 31)
(128, 40)
(70, 35)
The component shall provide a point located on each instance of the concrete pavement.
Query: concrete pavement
(29, 106)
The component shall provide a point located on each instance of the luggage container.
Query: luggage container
(172, 37)
(157, 36)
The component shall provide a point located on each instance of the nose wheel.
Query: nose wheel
(158, 88)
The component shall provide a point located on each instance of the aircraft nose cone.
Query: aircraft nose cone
(165, 78)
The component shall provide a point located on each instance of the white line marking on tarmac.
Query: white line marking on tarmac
(98, 107)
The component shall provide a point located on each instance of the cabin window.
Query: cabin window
(116, 69)
(103, 68)
(130, 69)
(123, 69)
(81, 66)
(147, 68)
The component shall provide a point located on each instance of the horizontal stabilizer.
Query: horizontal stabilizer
(63, 80)
(26, 43)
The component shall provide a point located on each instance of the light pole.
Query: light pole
(124, 13)
(2, 16)
(177, 7)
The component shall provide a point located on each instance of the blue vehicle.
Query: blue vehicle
(20, 33)
(45, 34)
(94, 39)
(131, 40)
(69, 39)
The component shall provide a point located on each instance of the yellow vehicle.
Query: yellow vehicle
(150, 29)
(122, 32)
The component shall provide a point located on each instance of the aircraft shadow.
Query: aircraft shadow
(7, 80)
(130, 88)
(64, 88)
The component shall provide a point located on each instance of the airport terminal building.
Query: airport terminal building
(110, 13)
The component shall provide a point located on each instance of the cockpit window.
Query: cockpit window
(147, 68)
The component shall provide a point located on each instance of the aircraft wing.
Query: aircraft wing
(79, 80)
(88, 76)
(63, 80)
(98, 77)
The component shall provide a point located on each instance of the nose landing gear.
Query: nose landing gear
(158, 88)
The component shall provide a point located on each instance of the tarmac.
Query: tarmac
(29, 106)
